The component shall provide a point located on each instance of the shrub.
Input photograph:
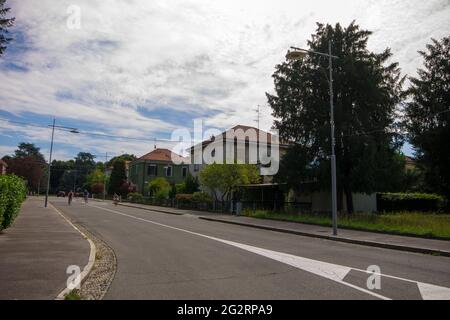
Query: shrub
(126, 188)
(135, 197)
(202, 197)
(97, 188)
(12, 194)
(180, 187)
(159, 188)
(387, 202)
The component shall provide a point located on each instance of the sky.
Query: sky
(141, 69)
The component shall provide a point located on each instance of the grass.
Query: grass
(426, 225)
(73, 295)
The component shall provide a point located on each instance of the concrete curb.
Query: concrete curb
(87, 269)
(150, 209)
(339, 239)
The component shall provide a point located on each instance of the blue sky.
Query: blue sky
(142, 69)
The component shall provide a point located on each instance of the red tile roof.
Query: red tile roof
(163, 155)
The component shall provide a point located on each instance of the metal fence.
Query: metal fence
(231, 206)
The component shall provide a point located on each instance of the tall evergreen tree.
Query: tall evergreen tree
(5, 23)
(428, 116)
(366, 92)
(118, 177)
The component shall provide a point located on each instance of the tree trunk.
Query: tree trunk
(340, 196)
(349, 200)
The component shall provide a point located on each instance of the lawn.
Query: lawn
(405, 223)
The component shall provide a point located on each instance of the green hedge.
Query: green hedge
(388, 202)
(135, 197)
(12, 194)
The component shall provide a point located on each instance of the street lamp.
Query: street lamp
(299, 54)
(53, 126)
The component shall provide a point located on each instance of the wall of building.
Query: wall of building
(321, 201)
(138, 173)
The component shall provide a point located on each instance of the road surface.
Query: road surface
(162, 256)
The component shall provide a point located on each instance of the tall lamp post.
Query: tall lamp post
(53, 126)
(299, 54)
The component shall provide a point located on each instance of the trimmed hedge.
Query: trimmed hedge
(135, 197)
(425, 202)
(12, 194)
(202, 197)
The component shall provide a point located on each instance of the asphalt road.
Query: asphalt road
(162, 256)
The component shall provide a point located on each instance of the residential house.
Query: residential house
(244, 147)
(247, 145)
(155, 164)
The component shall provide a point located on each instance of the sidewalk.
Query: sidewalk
(403, 243)
(36, 251)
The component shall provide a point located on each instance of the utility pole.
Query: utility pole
(299, 54)
(104, 179)
(258, 112)
(333, 155)
(49, 164)
(68, 129)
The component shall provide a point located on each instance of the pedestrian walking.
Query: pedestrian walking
(70, 197)
(86, 196)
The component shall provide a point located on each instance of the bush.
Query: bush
(180, 188)
(159, 188)
(135, 197)
(388, 202)
(126, 188)
(202, 197)
(12, 194)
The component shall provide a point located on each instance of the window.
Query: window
(152, 170)
(184, 172)
(168, 171)
(196, 168)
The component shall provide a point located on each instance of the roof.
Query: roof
(247, 138)
(163, 155)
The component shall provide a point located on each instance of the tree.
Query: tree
(5, 23)
(118, 177)
(366, 92)
(191, 184)
(58, 170)
(84, 164)
(28, 163)
(122, 157)
(225, 178)
(427, 116)
(29, 150)
(96, 181)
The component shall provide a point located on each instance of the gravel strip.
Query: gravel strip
(96, 284)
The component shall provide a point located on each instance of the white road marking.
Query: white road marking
(326, 270)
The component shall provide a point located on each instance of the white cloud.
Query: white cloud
(211, 58)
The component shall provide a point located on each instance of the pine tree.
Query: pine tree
(366, 92)
(428, 116)
(5, 23)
